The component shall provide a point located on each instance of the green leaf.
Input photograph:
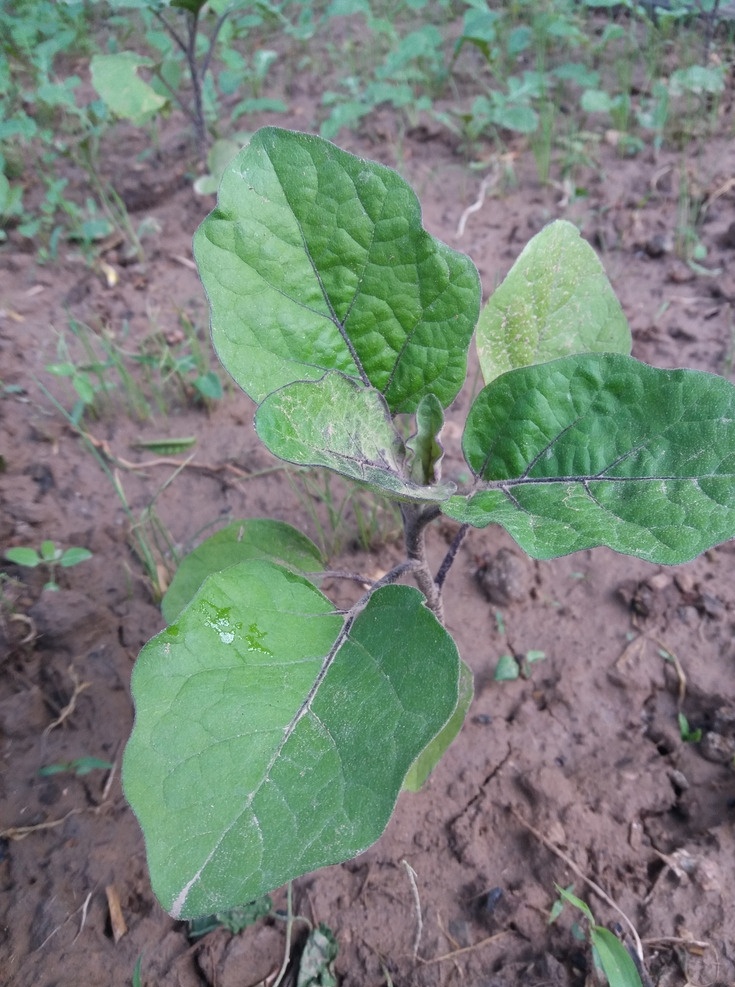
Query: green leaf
(507, 669)
(316, 968)
(73, 556)
(555, 301)
(49, 551)
(209, 386)
(257, 538)
(234, 920)
(434, 752)
(616, 962)
(193, 6)
(116, 79)
(28, 557)
(424, 445)
(603, 450)
(316, 260)
(272, 736)
(567, 895)
(338, 423)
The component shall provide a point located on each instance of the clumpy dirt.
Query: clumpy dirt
(577, 769)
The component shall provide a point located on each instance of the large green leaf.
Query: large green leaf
(256, 538)
(272, 737)
(316, 260)
(603, 450)
(555, 301)
(340, 424)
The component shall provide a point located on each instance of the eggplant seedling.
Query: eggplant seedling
(274, 731)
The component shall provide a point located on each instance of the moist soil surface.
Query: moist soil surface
(575, 771)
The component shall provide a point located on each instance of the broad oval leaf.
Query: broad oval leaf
(555, 301)
(254, 538)
(272, 737)
(316, 260)
(338, 423)
(603, 450)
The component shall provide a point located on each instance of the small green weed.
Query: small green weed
(688, 734)
(104, 367)
(48, 556)
(80, 766)
(510, 667)
(234, 920)
(610, 956)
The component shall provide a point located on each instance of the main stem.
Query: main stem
(415, 520)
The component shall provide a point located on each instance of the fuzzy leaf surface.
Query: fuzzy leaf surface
(603, 450)
(343, 426)
(272, 737)
(555, 301)
(316, 260)
(254, 538)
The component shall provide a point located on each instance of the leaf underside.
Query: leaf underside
(261, 750)
(555, 301)
(316, 260)
(343, 426)
(603, 450)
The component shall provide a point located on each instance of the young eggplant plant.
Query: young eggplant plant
(274, 732)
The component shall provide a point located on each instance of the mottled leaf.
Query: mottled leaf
(340, 424)
(603, 450)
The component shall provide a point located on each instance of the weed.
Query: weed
(104, 369)
(510, 667)
(610, 956)
(49, 557)
(80, 766)
(687, 734)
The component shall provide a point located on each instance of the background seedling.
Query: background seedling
(48, 556)
(609, 954)
(80, 766)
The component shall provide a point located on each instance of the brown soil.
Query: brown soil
(584, 755)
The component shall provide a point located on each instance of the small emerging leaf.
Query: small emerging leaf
(166, 447)
(317, 959)
(427, 452)
(507, 669)
(567, 895)
(555, 301)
